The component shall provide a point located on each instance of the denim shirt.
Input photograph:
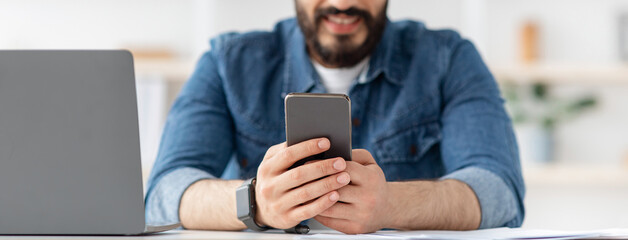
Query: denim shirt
(428, 108)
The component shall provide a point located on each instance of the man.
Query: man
(434, 148)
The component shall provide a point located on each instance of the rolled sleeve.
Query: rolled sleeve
(196, 144)
(497, 201)
(162, 206)
(478, 142)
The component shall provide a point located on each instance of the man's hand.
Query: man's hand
(370, 203)
(363, 205)
(287, 197)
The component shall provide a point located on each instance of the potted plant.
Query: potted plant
(534, 105)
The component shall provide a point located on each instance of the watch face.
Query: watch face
(243, 204)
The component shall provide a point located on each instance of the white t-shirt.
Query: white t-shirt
(339, 80)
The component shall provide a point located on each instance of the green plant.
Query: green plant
(535, 103)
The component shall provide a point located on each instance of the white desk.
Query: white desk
(279, 235)
(174, 235)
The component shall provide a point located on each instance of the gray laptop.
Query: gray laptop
(69, 144)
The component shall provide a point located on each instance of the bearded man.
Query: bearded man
(433, 145)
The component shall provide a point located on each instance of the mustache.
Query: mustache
(319, 14)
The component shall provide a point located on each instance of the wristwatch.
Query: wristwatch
(246, 206)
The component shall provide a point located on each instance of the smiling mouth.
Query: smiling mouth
(341, 24)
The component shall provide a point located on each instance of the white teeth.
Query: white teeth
(339, 20)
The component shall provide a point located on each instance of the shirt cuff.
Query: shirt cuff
(497, 201)
(162, 204)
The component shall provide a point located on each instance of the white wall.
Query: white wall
(572, 30)
(583, 31)
(97, 24)
(245, 15)
(186, 25)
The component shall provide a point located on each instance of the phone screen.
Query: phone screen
(314, 115)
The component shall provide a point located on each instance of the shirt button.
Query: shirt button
(413, 149)
(355, 122)
(243, 162)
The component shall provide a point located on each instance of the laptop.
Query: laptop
(69, 144)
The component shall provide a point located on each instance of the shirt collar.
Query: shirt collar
(383, 58)
(300, 75)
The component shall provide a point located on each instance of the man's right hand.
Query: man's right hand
(287, 197)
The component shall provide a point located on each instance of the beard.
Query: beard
(344, 53)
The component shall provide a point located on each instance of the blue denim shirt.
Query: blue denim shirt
(428, 108)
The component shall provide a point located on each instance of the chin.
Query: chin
(339, 43)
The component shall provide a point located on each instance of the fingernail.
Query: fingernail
(334, 196)
(339, 164)
(343, 178)
(323, 144)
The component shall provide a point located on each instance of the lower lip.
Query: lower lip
(341, 28)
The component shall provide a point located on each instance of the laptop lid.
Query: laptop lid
(69, 143)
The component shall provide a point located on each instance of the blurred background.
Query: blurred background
(562, 66)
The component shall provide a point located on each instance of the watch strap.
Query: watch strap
(245, 197)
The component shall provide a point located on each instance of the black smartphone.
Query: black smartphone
(314, 115)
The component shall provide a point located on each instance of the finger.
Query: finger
(339, 211)
(286, 157)
(313, 161)
(274, 149)
(265, 168)
(306, 173)
(317, 188)
(358, 172)
(362, 156)
(315, 207)
(337, 224)
(350, 194)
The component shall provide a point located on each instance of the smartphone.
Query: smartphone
(314, 115)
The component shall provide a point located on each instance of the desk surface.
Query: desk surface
(175, 235)
(279, 235)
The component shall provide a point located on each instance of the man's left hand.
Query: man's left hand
(364, 203)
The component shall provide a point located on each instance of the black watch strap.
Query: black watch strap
(246, 205)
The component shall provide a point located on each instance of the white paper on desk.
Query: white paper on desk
(497, 234)
(614, 233)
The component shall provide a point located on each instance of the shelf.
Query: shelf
(562, 73)
(584, 175)
(171, 70)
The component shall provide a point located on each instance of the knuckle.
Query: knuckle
(312, 146)
(286, 154)
(305, 214)
(329, 184)
(324, 206)
(265, 190)
(275, 147)
(278, 146)
(303, 195)
(350, 165)
(296, 174)
(323, 167)
(364, 152)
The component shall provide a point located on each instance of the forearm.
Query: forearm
(210, 205)
(446, 204)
